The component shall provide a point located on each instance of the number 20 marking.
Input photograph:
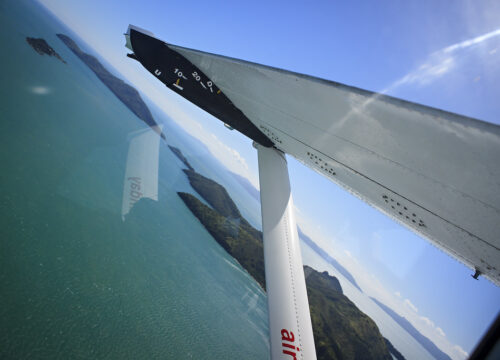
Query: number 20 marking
(198, 78)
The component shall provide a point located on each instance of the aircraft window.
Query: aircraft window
(131, 219)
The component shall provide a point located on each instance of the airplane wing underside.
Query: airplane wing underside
(435, 172)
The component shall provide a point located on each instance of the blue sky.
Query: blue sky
(438, 53)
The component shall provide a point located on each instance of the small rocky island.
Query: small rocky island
(341, 330)
(180, 156)
(43, 48)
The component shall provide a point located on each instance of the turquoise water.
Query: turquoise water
(75, 280)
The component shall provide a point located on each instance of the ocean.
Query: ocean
(79, 279)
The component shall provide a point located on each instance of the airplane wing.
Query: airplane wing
(435, 172)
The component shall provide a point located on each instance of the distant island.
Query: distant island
(180, 156)
(127, 94)
(423, 340)
(43, 48)
(341, 330)
(247, 185)
(318, 250)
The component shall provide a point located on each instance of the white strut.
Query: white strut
(289, 319)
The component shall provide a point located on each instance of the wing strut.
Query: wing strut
(289, 319)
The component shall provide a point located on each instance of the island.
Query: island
(247, 185)
(127, 94)
(318, 250)
(180, 156)
(43, 48)
(341, 330)
(417, 335)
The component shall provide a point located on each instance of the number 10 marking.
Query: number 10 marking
(179, 74)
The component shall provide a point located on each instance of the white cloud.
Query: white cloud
(461, 353)
(473, 41)
(436, 66)
(227, 155)
(398, 294)
(408, 303)
(427, 321)
(440, 332)
(235, 155)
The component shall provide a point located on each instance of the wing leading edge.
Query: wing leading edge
(435, 172)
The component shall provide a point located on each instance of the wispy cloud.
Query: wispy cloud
(427, 321)
(440, 62)
(235, 155)
(434, 67)
(408, 303)
(437, 66)
(460, 353)
(440, 331)
(471, 42)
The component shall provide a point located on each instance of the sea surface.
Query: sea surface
(76, 279)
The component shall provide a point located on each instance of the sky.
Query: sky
(438, 53)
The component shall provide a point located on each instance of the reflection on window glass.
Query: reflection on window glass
(131, 222)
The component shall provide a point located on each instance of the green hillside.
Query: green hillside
(341, 330)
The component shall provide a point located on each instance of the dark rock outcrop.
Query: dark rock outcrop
(43, 48)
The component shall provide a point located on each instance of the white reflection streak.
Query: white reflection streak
(40, 90)
(141, 172)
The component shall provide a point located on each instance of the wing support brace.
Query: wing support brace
(289, 319)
